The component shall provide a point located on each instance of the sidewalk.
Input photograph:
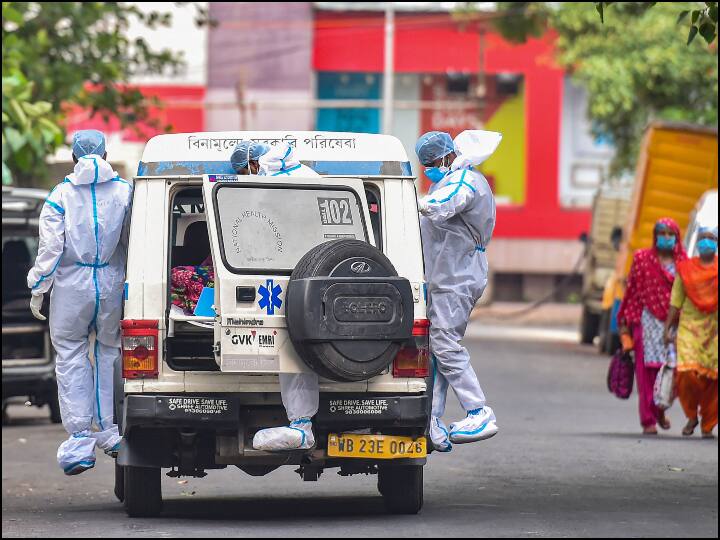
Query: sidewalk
(517, 314)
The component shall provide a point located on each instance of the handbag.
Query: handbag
(664, 389)
(621, 374)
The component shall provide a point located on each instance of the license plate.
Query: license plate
(375, 446)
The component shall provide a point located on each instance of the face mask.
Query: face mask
(435, 174)
(665, 243)
(707, 246)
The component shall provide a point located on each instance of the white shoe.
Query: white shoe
(108, 440)
(79, 467)
(297, 436)
(480, 424)
(113, 452)
(439, 435)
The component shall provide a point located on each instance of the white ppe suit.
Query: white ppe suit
(81, 255)
(300, 391)
(457, 222)
(280, 160)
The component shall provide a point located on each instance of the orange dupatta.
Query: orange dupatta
(701, 283)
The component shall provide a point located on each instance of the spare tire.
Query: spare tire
(348, 313)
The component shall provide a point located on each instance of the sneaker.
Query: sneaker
(79, 467)
(478, 425)
(297, 436)
(439, 435)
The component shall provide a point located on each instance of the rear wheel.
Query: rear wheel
(589, 324)
(143, 492)
(603, 330)
(613, 342)
(401, 488)
(119, 482)
(54, 405)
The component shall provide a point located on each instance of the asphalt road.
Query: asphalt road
(569, 461)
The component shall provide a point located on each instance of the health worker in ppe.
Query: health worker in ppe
(245, 156)
(300, 391)
(457, 222)
(81, 257)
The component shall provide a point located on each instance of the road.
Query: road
(569, 461)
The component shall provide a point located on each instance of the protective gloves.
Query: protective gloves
(36, 303)
(423, 207)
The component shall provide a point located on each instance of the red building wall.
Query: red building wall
(182, 108)
(432, 43)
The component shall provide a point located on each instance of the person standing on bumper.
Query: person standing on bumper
(300, 391)
(643, 313)
(81, 256)
(457, 222)
(694, 302)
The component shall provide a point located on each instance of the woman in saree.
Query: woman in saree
(694, 305)
(644, 311)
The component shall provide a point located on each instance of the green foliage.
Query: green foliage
(58, 49)
(703, 20)
(636, 76)
(29, 128)
(636, 67)
(521, 20)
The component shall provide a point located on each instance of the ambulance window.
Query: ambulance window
(265, 228)
(372, 194)
(189, 237)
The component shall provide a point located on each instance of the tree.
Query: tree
(63, 53)
(636, 65)
(703, 20)
(29, 128)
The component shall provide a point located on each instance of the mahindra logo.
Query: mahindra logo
(360, 267)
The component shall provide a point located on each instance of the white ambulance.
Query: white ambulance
(197, 385)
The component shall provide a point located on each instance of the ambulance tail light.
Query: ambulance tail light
(413, 360)
(140, 349)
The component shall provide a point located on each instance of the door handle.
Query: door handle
(245, 294)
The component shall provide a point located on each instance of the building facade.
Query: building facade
(305, 66)
(320, 66)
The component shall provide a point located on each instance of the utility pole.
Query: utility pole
(240, 84)
(389, 74)
(481, 85)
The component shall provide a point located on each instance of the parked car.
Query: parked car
(28, 365)
(311, 274)
(705, 214)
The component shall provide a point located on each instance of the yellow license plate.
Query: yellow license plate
(375, 446)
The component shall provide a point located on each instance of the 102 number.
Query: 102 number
(335, 211)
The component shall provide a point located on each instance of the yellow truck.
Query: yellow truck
(677, 164)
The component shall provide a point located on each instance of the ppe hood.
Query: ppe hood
(474, 147)
(279, 158)
(91, 169)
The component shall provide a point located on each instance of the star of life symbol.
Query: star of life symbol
(270, 297)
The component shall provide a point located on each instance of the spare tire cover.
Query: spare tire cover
(348, 312)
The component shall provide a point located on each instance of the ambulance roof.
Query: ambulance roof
(327, 152)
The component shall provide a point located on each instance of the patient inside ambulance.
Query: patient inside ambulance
(192, 271)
